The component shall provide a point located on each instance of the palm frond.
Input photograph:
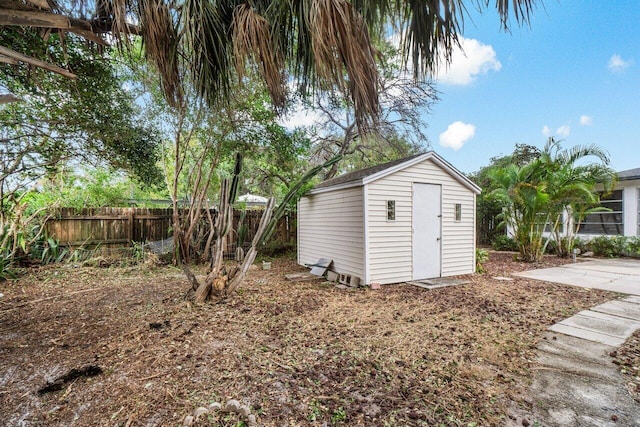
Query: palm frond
(432, 33)
(114, 13)
(522, 10)
(206, 46)
(160, 41)
(252, 39)
(340, 42)
(578, 152)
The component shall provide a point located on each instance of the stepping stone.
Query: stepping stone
(600, 323)
(587, 334)
(621, 308)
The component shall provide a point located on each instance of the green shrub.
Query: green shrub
(606, 246)
(581, 244)
(632, 248)
(504, 243)
(6, 266)
(274, 249)
(47, 250)
(482, 256)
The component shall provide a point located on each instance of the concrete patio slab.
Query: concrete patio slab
(615, 265)
(617, 275)
(562, 363)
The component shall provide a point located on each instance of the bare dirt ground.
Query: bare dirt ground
(298, 354)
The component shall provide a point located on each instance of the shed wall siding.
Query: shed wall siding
(390, 242)
(331, 225)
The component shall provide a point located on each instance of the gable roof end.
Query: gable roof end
(365, 176)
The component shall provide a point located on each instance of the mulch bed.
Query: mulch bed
(303, 353)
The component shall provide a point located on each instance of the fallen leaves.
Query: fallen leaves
(296, 353)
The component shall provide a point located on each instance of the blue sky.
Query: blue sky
(574, 73)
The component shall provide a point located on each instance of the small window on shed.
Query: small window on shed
(391, 210)
(458, 212)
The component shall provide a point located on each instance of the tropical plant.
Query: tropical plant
(572, 188)
(489, 228)
(322, 44)
(404, 105)
(524, 200)
(534, 196)
(482, 256)
(223, 280)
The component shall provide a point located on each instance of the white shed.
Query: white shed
(409, 219)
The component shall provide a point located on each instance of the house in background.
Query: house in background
(252, 200)
(409, 219)
(624, 217)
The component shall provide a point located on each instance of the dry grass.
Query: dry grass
(297, 353)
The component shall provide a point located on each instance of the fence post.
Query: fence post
(130, 225)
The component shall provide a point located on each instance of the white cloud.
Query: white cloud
(467, 63)
(300, 117)
(586, 120)
(617, 64)
(563, 131)
(457, 134)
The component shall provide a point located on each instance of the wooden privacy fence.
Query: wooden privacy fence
(112, 227)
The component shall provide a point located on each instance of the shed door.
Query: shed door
(427, 220)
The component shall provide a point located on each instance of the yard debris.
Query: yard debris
(332, 276)
(320, 268)
(300, 277)
(440, 282)
(231, 407)
(58, 383)
(289, 353)
(159, 325)
(160, 247)
(349, 280)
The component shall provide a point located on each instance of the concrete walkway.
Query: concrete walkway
(576, 384)
(618, 275)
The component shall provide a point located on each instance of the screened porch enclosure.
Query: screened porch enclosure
(609, 222)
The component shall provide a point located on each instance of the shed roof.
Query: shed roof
(629, 174)
(367, 175)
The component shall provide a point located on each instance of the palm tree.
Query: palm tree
(572, 188)
(524, 198)
(535, 196)
(320, 44)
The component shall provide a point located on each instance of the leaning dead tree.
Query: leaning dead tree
(223, 279)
